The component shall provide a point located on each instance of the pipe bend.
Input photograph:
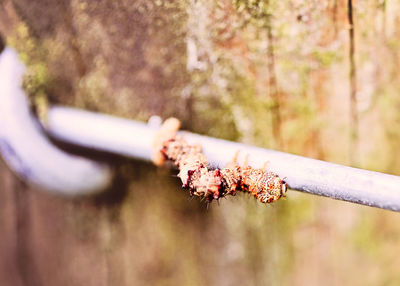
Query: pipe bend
(26, 149)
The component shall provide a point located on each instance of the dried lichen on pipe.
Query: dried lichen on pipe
(212, 184)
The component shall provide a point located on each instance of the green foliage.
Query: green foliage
(37, 78)
(326, 58)
(34, 55)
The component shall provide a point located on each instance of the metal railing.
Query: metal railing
(27, 151)
(135, 139)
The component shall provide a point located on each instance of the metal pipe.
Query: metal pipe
(27, 150)
(135, 139)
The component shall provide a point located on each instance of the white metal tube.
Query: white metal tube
(26, 149)
(135, 139)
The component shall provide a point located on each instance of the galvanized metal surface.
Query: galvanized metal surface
(135, 139)
(26, 148)
(28, 152)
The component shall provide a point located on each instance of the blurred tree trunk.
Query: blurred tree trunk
(119, 57)
(209, 63)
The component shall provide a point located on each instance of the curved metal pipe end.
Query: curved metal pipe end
(26, 149)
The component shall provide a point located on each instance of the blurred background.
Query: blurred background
(291, 75)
